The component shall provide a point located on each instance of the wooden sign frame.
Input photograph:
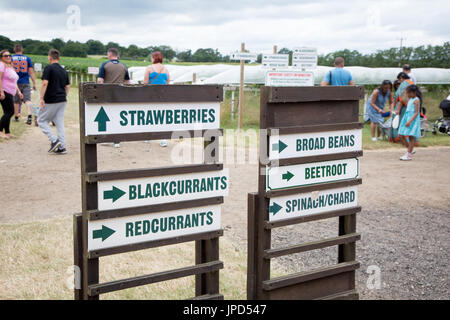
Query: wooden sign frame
(301, 110)
(207, 263)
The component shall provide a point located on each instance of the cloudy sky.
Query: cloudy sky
(187, 24)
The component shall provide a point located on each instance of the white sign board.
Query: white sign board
(305, 204)
(313, 144)
(304, 58)
(116, 194)
(275, 61)
(311, 173)
(93, 70)
(153, 226)
(38, 67)
(243, 56)
(117, 118)
(289, 78)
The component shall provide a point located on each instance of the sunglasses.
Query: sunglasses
(6, 56)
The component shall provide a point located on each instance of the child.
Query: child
(410, 124)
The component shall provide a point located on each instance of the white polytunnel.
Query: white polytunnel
(254, 74)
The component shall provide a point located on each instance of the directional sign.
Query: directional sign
(305, 58)
(153, 226)
(304, 204)
(311, 173)
(275, 60)
(116, 194)
(243, 56)
(38, 67)
(289, 78)
(93, 70)
(117, 118)
(314, 144)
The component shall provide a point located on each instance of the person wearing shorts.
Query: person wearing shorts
(24, 69)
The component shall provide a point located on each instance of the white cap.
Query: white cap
(448, 98)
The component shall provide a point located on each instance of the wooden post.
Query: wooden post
(194, 78)
(275, 49)
(232, 104)
(241, 88)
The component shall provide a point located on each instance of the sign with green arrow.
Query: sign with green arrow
(103, 233)
(304, 204)
(126, 193)
(298, 175)
(120, 118)
(314, 144)
(129, 230)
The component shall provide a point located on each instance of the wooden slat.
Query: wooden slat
(311, 159)
(101, 93)
(176, 205)
(316, 128)
(217, 296)
(317, 187)
(154, 278)
(143, 136)
(305, 94)
(313, 217)
(279, 252)
(346, 295)
(154, 243)
(300, 277)
(153, 172)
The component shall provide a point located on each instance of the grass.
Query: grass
(37, 258)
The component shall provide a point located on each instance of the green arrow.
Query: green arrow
(101, 119)
(280, 146)
(275, 208)
(287, 176)
(113, 194)
(103, 233)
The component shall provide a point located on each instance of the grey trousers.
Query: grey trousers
(53, 112)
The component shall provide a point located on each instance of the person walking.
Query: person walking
(157, 74)
(407, 70)
(113, 71)
(338, 76)
(409, 129)
(8, 89)
(54, 90)
(24, 69)
(375, 106)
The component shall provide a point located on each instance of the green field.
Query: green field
(82, 64)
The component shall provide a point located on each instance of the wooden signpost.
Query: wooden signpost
(242, 56)
(129, 210)
(309, 171)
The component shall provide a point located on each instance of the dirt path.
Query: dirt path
(405, 205)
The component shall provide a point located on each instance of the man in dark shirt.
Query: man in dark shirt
(113, 71)
(54, 90)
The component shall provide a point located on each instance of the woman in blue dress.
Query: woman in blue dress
(410, 124)
(375, 106)
(157, 74)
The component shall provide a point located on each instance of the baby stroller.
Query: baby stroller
(443, 123)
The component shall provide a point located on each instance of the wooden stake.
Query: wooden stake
(275, 49)
(241, 88)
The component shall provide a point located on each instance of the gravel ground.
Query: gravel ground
(411, 248)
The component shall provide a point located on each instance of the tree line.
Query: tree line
(419, 57)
